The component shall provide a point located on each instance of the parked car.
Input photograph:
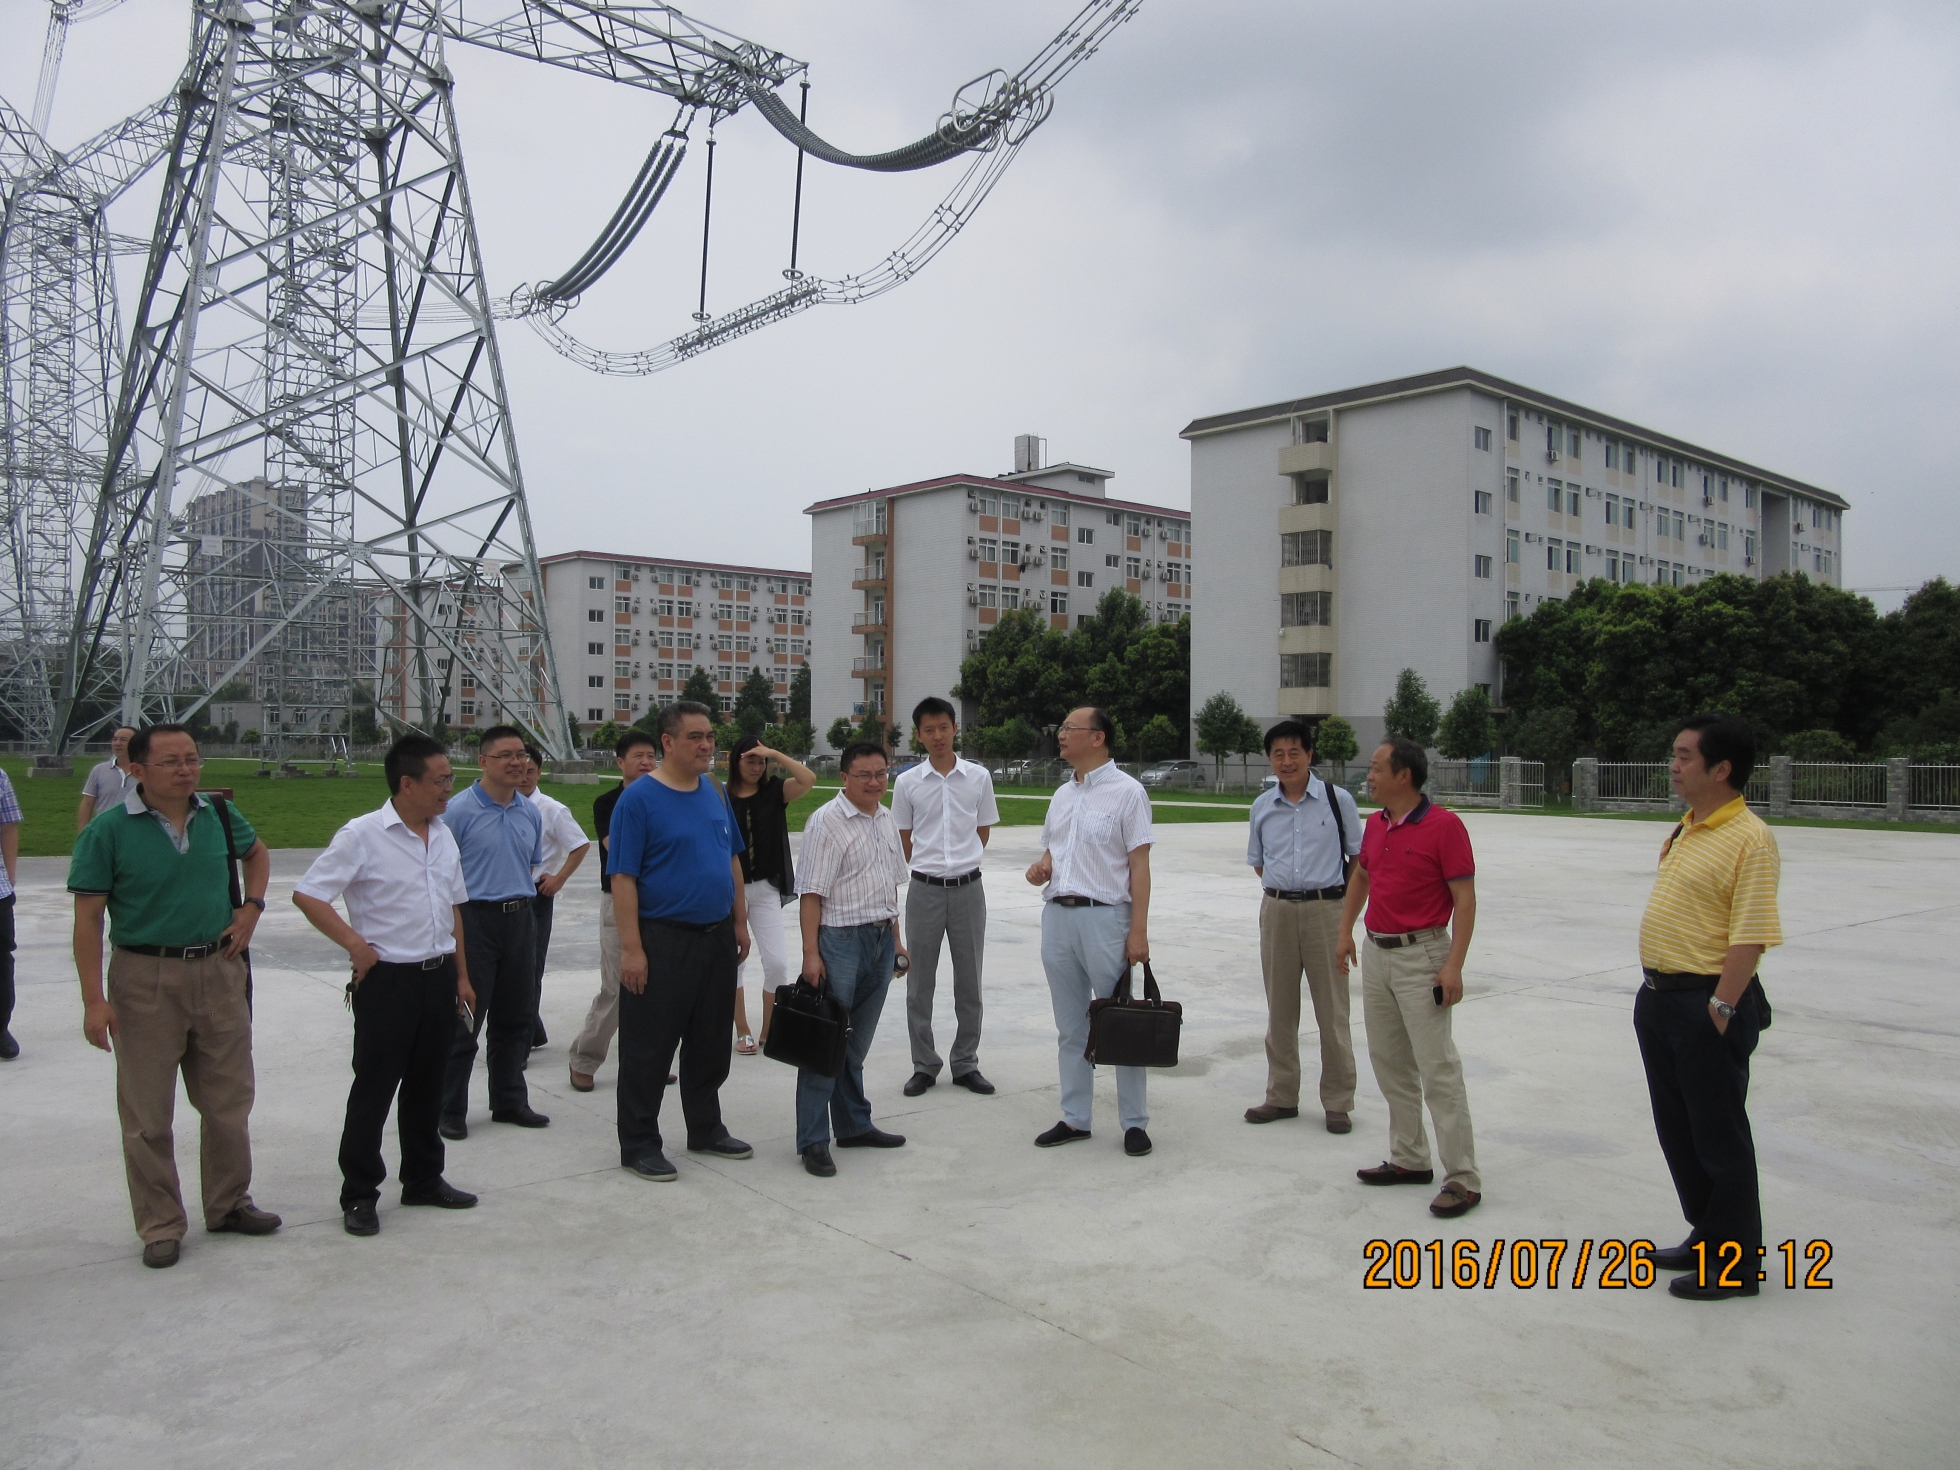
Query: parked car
(1015, 771)
(1176, 775)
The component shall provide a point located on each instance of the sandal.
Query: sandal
(745, 1046)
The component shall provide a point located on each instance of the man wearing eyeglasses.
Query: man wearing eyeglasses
(848, 875)
(178, 994)
(500, 838)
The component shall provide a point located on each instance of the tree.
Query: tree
(1220, 727)
(841, 733)
(1818, 745)
(1010, 741)
(1159, 739)
(755, 703)
(799, 695)
(1335, 741)
(1467, 731)
(794, 737)
(1413, 713)
(726, 734)
(700, 687)
(1549, 733)
(605, 737)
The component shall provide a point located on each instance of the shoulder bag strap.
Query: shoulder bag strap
(1668, 846)
(1340, 826)
(231, 852)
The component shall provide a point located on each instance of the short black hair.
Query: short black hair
(1725, 738)
(536, 755)
(139, 743)
(500, 732)
(1298, 730)
(857, 750)
(631, 737)
(1099, 720)
(672, 715)
(408, 758)
(932, 705)
(1408, 755)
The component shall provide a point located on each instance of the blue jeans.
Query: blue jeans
(857, 964)
(1082, 951)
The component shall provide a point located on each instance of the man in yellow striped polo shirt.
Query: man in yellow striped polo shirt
(1701, 1008)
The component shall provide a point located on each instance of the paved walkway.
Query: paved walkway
(971, 1301)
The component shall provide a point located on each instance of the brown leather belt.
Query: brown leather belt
(1400, 941)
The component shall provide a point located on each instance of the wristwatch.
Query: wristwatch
(257, 903)
(1722, 1008)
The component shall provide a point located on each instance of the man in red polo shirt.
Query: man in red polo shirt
(1417, 877)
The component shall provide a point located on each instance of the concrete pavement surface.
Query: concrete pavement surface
(969, 1300)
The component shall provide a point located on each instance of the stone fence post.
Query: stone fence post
(1898, 788)
(1779, 786)
(1585, 784)
(1510, 779)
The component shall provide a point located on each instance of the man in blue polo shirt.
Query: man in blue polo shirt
(678, 895)
(501, 839)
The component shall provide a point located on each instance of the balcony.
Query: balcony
(871, 575)
(868, 665)
(870, 622)
(868, 524)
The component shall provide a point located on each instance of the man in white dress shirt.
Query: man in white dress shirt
(403, 880)
(945, 812)
(848, 874)
(1095, 863)
(564, 846)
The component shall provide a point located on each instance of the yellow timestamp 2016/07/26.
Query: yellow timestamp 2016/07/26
(1606, 1265)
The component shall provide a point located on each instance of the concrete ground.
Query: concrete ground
(971, 1301)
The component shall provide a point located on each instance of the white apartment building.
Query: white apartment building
(629, 630)
(908, 579)
(1398, 525)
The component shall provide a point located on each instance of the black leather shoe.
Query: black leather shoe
(525, 1117)
(9, 1048)
(538, 1039)
(726, 1147)
(974, 1082)
(1387, 1173)
(160, 1253)
(919, 1082)
(249, 1220)
(873, 1138)
(455, 1132)
(1673, 1257)
(360, 1219)
(442, 1194)
(654, 1166)
(1687, 1289)
(1136, 1143)
(816, 1158)
(1060, 1133)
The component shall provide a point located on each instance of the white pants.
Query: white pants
(765, 937)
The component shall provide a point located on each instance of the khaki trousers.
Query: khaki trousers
(1296, 937)
(188, 1016)
(602, 1019)
(1415, 1058)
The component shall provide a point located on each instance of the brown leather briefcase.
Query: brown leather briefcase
(1126, 1032)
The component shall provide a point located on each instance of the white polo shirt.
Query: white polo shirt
(400, 891)
(562, 834)
(945, 814)
(1094, 823)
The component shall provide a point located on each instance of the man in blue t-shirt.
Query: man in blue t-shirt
(678, 896)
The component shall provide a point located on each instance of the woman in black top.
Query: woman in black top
(761, 798)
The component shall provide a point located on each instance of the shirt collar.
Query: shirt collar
(851, 809)
(1715, 818)
(490, 801)
(134, 804)
(1416, 814)
(1100, 773)
(1315, 787)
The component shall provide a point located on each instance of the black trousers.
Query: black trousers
(1698, 1081)
(541, 918)
(689, 1003)
(404, 1025)
(502, 955)
(6, 961)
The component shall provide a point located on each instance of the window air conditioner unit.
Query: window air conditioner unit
(973, 553)
(1591, 494)
(972, 507)
(973, 599)
(1551, 456)
(1702, 540)
(1163, 533)
(1749, 561)
(1532, 538)
(1592, 551)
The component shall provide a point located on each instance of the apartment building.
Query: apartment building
(908, 579)
(629, 630)
(1399, 524)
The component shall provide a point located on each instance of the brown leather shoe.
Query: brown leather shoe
(1452, 1201)
(1387, 1173)
(160, 1253)
(1268, 1113)
(248, 1220)
(582, 1081)
(1339, 1123)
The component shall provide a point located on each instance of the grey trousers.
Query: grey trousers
(602, 1019)
(957, 916)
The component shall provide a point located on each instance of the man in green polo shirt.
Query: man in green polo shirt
(159, 864)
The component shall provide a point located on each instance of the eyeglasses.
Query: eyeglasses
(185, 763)
(869, 776)
(508, 755)
(1077, 729)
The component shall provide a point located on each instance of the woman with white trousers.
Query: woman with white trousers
(761, 784)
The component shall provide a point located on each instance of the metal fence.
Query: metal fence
(1935, 788)
(1633, 781)
(1820, 783)
(1454, 780)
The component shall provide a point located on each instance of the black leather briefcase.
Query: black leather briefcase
(1126, 1032)
(809, 1028)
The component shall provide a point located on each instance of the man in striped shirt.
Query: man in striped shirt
(848, 874)
(1701, 1008)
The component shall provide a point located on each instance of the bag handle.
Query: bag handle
(1122, 994)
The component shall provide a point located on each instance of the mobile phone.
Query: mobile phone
(469, 1016)
(901, 963)
(1437, 991)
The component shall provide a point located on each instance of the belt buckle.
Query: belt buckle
(199, 951)
(434, 962)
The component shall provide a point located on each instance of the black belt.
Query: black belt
(1399, 941)
(1076, 901)
(959, 882)
(176, 951)
(502, 905)
(1679, 980)
(433, 962)
(1307, 895)
(683, 924)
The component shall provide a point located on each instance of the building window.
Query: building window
(1513, 553)
(1111, 559)
(1306, 549)
(1058, 603)
(1133, 526)
(1306, 670)
(1572, 557)
(1061, 515)
(1309, 492)
(596, 650)
(1612, 455)
(989, 550)
(1511, 486)
(1058, 558)
(1482, 565)
(595, 615)
(1480, 502)
(622, 668)
(1511, 425)
(1480, 630)
(1085, 534)
(989, 595)
(1306, 609)
(1085, 579)
(1114, 517)
(597, 584)
(1481, 438)
(1721, 535)
(1554, 554)
(1512, 606)
(1132, 567)
(1555, 496)
(1612, 510)
(1572, 442)
(1010, 553)
(1010, 597)
(595, 681)
(595, 715)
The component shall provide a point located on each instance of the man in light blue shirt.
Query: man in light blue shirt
(1304, 835)
(500, 838)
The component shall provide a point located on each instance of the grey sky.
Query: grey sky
(1731, 222)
